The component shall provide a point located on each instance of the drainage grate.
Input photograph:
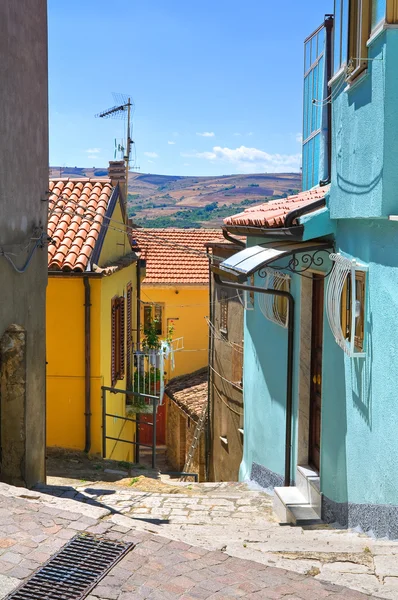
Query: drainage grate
(74, 571)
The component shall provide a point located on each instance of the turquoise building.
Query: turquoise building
(321, 336)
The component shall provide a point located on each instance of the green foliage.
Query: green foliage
(254, 185)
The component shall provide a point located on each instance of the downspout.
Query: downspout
(289, 379)
(87, 362)
(209, 377)
(329, 31)
(232, 239)
(138, 341)
(298, 212)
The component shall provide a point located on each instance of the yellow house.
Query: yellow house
(175, 290)
(91, 316)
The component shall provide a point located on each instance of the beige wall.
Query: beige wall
(23, 214)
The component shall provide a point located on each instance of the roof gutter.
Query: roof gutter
(295, 232)
(87, 362)
(290, 350)
(298, 212)
(230, 238)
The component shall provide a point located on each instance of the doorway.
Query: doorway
(316, 371)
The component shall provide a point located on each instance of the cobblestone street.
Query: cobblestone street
(34, 526)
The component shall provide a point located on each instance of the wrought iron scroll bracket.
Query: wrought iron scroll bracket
(305, 262)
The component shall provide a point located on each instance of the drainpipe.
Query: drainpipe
(138, 341)
(298, 212)
(209, 377)
(87, 362)
(289, 377)
(232, 239)
(329, 34)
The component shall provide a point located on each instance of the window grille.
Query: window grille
(345, 304)
(247, 298)
(129, 323)
(275, 308)
(224, 312)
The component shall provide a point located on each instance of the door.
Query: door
(316, 371)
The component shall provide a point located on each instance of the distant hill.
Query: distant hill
(174, 201)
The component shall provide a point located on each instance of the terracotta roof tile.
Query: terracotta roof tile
(168, 262)
(71, 222)
(189, 392)
(273, 213)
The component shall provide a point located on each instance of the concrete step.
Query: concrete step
(308, 482)
(291, 506)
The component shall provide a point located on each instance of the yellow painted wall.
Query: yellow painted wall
(65, 360)
(111, 286)
(189, 306)
(116, 243)
(65, 368)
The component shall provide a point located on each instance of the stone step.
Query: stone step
(291, 506)
(308, 482)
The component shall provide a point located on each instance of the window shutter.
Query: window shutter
(121, 338)
(129, 345)
(113, 340)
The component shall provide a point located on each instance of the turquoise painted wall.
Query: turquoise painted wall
(359, 461)
(365, 137)
(264, 383)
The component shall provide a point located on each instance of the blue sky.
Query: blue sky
(217, 84)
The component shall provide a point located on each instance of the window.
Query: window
(359, 34)
(117, 341)
(314, 93)
(346, 310)
(341, 19)
(153, 313)
(276, 308)
(224, 312)
(346, 304)
(129, 349)
(378, 11)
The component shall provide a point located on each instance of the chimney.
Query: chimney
(117, 172)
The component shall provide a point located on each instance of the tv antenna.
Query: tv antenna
(122, 110)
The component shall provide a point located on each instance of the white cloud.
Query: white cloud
(207, 134)
(93, 151)
(248, 160)
(237, 134)
(187, 164)
(250, 133)
(171, 143)
(150, 161)
(93, 156)
(299, 138)
(151, 154)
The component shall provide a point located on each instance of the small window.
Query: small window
(224, 312)
(359, 34)
(341, 18)
(346, 310)
(153, 313)
(378, 11)
(276, 308)
(346, 304)
(117, 339)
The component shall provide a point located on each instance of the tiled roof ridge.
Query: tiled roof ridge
(104, 179)
(193, 394)
(272, 214)
(181, 378)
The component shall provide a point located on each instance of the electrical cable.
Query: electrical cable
(241, 414)
(233, 383)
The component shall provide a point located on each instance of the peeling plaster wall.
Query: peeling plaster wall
(23, 185)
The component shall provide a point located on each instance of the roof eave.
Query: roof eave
(296, 232)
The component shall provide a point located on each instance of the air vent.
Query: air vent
(74, 571)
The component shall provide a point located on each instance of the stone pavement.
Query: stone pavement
(238, 521)
(33, 526)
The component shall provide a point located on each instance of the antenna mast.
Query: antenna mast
(121, 110)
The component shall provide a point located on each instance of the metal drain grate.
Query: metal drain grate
(74, 571)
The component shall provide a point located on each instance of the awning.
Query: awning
(248, 261)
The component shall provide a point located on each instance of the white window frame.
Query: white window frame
(337, 279)
(275, 280)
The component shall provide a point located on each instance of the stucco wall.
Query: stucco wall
(180, 431)
(23, 185)
(365, 137)
(264, 383)
(360, 417)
